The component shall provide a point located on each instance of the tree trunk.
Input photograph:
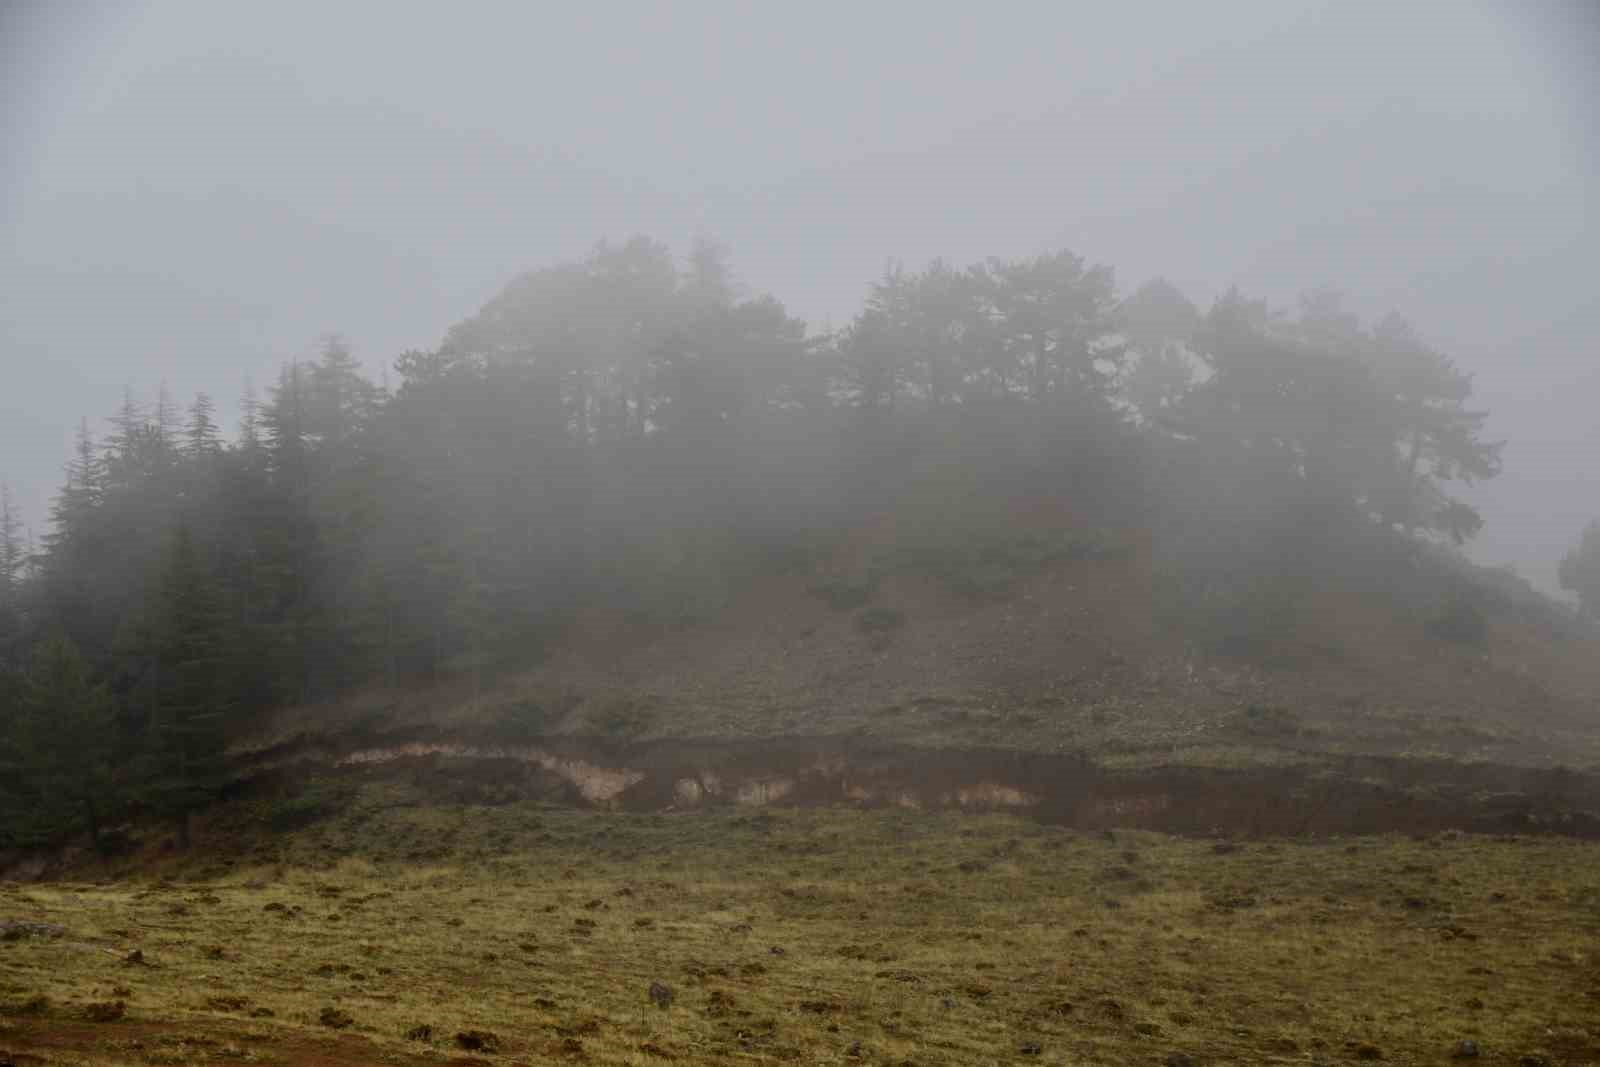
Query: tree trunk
(91, 819)
(1411, 482)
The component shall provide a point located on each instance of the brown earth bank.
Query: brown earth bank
(1350, 795)
(1319, 797)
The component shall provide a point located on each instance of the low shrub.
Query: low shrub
(315, 800)
(878, 620)
(1459, 620)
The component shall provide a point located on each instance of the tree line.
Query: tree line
(635, 431)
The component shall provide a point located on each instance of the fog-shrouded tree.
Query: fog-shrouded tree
(1159, 324)
(14, 556)
(1580, 571)
(57, 746)
(188, 726)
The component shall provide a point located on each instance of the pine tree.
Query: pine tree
(13, 561)
(60, 744)
(188, 731)
(200, 433)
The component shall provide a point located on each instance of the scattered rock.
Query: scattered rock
(262, 1013)
(17, 929)
(136, 959)
(333, 1017)
(477, 1041)
(661, 995)
(778, 950)
(1181, 1059)
(1031, 1048)
(104, 1011)
(1465, 1049)
(819, 1007)
(420, 1032)
(1368, 1052)
(38, 1004)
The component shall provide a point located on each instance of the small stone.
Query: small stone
(1465, 1049)
(104, 1011)
(334, 1018)
(1031, 1048)
(478, 1041)
(1181, 1059)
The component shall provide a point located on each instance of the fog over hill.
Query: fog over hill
(192, 194)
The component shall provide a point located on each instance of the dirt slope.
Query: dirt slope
(1074, 658)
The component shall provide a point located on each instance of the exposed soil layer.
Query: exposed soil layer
(1333, 795)
(59, 1041)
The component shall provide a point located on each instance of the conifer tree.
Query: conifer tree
(188, 728)
(59, 745)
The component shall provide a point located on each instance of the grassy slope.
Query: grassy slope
(1074, 657)
(809, 937)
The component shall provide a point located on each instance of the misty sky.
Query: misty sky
(193, 191)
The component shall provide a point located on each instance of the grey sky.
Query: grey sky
(194, 191)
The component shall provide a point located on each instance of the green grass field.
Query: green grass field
(528, 934)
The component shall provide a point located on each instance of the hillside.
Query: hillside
(1069, 655)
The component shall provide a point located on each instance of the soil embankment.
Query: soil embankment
(1339, 795)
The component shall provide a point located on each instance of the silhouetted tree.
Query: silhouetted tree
(1580, 571)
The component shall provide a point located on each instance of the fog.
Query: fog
(193, 193)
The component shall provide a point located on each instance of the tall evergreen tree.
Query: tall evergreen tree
(59, 744)
(188, 730)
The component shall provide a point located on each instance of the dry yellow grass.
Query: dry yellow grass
(808, 937)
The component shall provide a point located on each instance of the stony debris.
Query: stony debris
(18, 929)
(334, 1018)
(478, 1041)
